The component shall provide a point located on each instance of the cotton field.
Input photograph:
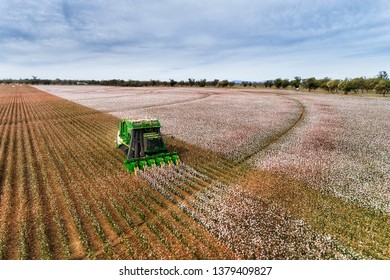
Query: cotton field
(341, 146)
(264, 175)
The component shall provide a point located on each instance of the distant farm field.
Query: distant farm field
(263, 175)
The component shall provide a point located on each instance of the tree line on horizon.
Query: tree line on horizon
(379, 84)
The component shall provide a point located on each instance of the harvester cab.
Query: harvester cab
(141, 141)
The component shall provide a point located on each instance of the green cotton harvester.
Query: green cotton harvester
(141, 141)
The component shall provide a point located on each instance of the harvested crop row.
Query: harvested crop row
(65, 193)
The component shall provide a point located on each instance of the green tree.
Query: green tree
(358, 84)
(191, 82)
(346, 86)
(383, 75)
(371, 83)
(285, 83)
(268, 83)
(278, 83)
(172, 82)
(310, 83)
(231, 84)
(383, 87)
(332, 85)
(296, 83)
(215, 82)
(323, 83)
(223, 83)
(154, 83)
(201, 83)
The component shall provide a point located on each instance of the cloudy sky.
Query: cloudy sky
(181, 39)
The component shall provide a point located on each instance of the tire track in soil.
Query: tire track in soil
(232, 170)
(282, 134)
(204, 96)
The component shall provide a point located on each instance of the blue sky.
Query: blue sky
(163, 39)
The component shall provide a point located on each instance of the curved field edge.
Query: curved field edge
(341, 147)
(361, 228)
(145, 225)
(232, 122)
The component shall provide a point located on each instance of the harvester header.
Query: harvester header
(143, 123)
(141, 141)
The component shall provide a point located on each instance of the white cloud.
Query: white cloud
(244, 39)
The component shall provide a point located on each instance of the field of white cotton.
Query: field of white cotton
(119, 99)
(231, 122)
(251, 226)
(341, 146)
(338, 144)
(257, 228)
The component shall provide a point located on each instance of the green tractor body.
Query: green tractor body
(141, 141)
